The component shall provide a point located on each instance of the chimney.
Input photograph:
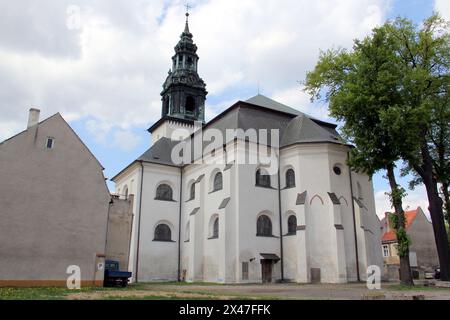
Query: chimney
(387, 221)
(33, 117)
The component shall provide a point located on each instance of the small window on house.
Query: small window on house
(262, 180)
(264, 226)
(244, 270)
(50, 143)
(192, 191)
(292, 225)
(290, 178)
(164, 193)
(125, 192)
(162, 233)
(218, 181)
(385, 250)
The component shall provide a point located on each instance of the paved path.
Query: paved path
(309, 291)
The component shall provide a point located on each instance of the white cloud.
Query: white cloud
(443, 7)
(414, 198)
(126, 140)
(112, 68)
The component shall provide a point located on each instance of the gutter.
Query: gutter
(354, 219)
(139, 221)
(281, 220)
(179, 225)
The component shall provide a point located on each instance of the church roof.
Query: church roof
(302, 129)
(257, 113)
(160, 152)
(268, 103)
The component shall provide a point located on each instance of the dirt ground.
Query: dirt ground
(272, 291)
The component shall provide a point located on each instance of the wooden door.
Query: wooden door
(266, 266)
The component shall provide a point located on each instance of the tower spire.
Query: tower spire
(186, 28)
(184, 92)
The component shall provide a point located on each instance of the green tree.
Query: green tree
(359, 86)
(421, 117)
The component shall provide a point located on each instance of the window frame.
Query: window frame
(290, 184)
(52, 144)
(262, 182)
(215, 181)
(158, 238)
(267, 230)
(385, 249)
(290, 226)
(159, 198)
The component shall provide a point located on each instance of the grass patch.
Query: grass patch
(45, 293)
(401, 287)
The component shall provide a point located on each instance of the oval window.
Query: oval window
(337, 170)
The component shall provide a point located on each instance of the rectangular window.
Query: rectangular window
(385, 251)
(50, 143)
(244, 270)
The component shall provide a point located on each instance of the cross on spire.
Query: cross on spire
(186, 28)
(187, 9)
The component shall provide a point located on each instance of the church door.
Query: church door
(266, 266)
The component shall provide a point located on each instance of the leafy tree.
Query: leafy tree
(422, 115)
(360, 86)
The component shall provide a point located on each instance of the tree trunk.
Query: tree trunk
(437, 216)
(446, 202)
(405, 267)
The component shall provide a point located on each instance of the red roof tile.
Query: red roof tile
(410, 216)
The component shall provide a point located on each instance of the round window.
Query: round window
(337, 170)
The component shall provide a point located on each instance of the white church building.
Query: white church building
(218, 216)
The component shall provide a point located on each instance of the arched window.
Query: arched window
(215, 231)
(192, 191)
(162, 233)
(262, 180)
(218, 182)
(292, 224)
(264, 226)
(190, 104)
(125, 192)
(190, 62)
(290, 178)
(164, 192)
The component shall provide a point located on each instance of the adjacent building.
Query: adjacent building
(54, 206)
(423, 253)
(228, 221)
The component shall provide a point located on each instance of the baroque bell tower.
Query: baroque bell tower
(184, 92)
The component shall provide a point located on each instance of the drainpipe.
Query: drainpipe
(179, 225)
(354, 219)
(139, 220)
(281, 220)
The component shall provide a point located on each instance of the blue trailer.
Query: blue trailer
(113, 275)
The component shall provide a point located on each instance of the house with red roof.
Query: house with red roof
(423, 254)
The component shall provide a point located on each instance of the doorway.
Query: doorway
(266, 270)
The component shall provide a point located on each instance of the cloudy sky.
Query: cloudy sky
(101, 63)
